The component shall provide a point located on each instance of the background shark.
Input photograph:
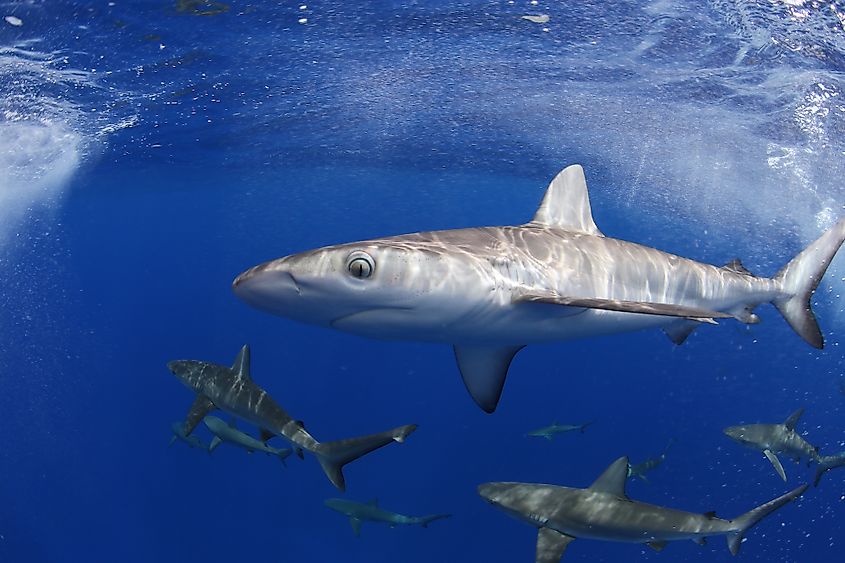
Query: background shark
(604, 512)
(489, 291)
(549, 432)
(371, 512)
(228, 432)
(232, 390)
(639, 470)
(773, 439)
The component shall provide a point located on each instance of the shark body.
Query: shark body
(604, 512)
(773, 439)
(371, 512)
(232, 390)
(229, 433)
(489, 291)
(549, 432)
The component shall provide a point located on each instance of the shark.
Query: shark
(603, 511)
(549, 432)
(640, 469)
(371, 512)
(178, 431)
(232, 390)
(826, 463)
(773, 439)
(490, 291)
(228, 432)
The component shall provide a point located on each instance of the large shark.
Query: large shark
(232, 390)
(773, 439)
(489, 291)
(604, 512)
(228, 432)
(371, 512)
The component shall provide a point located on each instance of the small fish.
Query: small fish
(549, 432)
(541, 18)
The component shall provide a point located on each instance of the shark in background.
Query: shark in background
(826, 463)
(228, 432)
(371, 512)
(490, 291)
(549, 432)
(603, 511)
(178, 431)
(773, 439)
(232, 390)
(639, 470)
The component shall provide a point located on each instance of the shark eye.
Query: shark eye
(360, 264)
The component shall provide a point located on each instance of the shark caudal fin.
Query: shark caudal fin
(334, 455)
(426, 520)
(799, 279)
(753, 517)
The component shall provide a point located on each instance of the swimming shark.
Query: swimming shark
(604, 512)
(228, 432)
(549, 432)
(826, 463)
(371, 512)
(773, 439)
(178, 431)
(640, 469)
(232, 390)
(489, 291)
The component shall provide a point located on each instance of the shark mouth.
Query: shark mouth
(374, 317)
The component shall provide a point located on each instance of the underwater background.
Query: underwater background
(152, 150)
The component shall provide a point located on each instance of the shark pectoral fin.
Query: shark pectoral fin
(773, 459)
(548, 437)
(550, 545)
(612, 481)
(265, 435)
(216, 441)
(621, 306)
(657, 545)
(201, 407)
(356, 526)
(484, 369)
(566, 204)
(680, 331)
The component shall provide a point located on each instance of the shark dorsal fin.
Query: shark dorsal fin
(793, 419)
(566, 204)
(737, 267)
(612, 481)
(373, 502)
(241, 365)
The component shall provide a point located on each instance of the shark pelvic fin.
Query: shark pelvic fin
(356, 526)
(550, 545)
(484, 370)
(793, 419)
(241, 365)
(202, 406)
(566, 204)
(773, 459)
(612, 481)
(658, 545)
(641, 307)
(678, 332)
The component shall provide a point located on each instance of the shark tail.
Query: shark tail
(426, 520)
(334, 455)
(800, 278)
(753, 517)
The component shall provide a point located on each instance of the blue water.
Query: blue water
(148, 155)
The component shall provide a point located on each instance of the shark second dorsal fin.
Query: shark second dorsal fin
(737, 267)
(566, 204)
(373, 502)
(612, 481)
(241, 365)
(793, 419)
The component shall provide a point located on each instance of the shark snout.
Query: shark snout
(492, 492)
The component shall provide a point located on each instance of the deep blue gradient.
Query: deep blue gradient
(149, 155)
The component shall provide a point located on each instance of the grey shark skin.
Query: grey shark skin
(639, 470)
(178, 431)
(232, 390)
(773, 439)
(549, 432)
(229, 433)
(826, 463)
(489, 291)
(604, 512)
(371, 512)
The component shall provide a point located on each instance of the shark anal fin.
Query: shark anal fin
(612, 481)
(773, 459)
(680, 331)
(550, 545)
(356, 526)
(658, 545)
(622, 306)
(793, 419)
(201, 407)
(484, 370)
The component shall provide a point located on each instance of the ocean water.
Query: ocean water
(152, 150)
